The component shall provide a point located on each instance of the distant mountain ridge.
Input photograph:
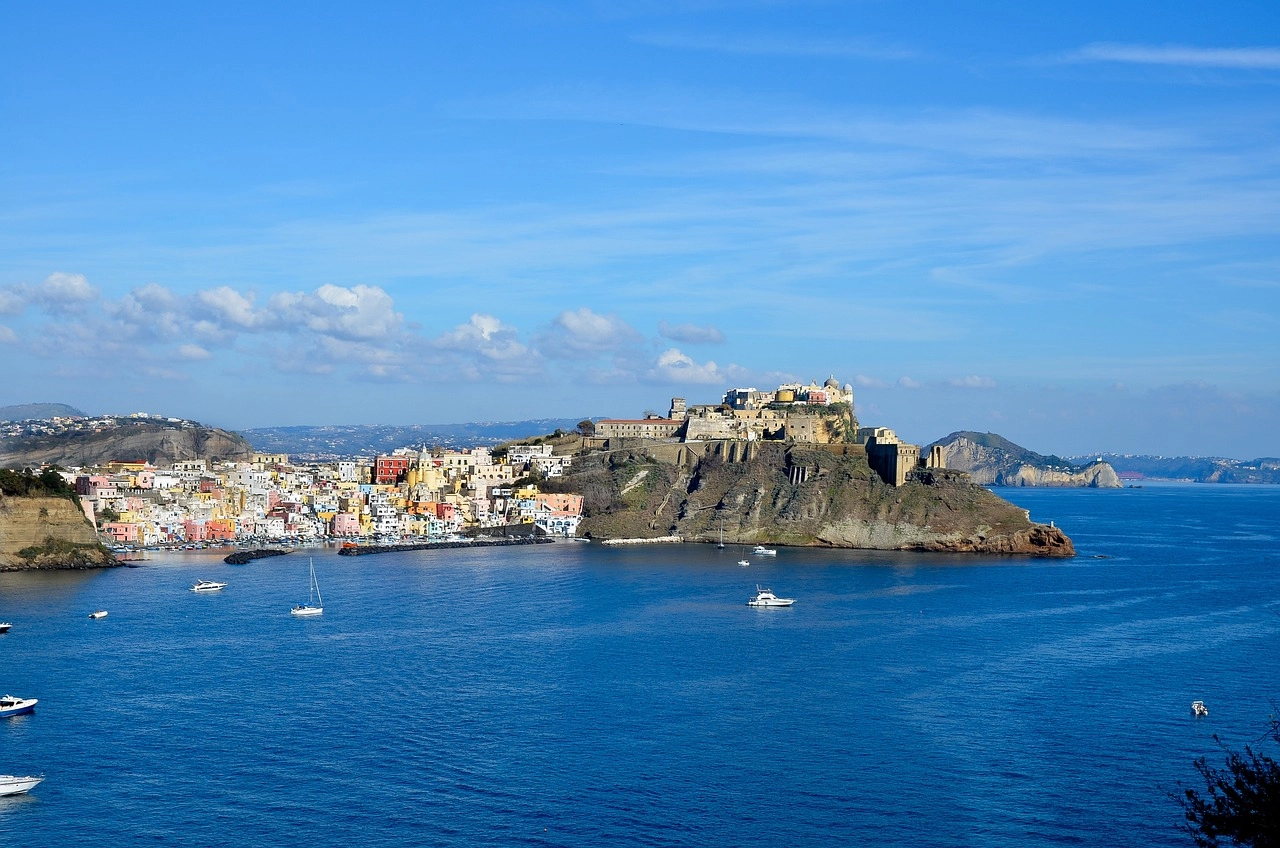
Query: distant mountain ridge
(1199, 469)
(36, 411)
(324, 442)
(992, 460)
(100, 440)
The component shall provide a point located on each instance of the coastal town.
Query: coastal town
(427, 493)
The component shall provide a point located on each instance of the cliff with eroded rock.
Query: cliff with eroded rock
(39, 533)
(992, 460)
(777, 494)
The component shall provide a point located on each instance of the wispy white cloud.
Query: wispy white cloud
(905, 382)
(7, 335)
(673, 366)
(691, 333)
(973, 381)
(777, 45)
(862, 381)
(1255, 58)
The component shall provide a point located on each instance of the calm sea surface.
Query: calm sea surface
(576, 695)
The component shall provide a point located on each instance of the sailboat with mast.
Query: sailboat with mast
(315, 603)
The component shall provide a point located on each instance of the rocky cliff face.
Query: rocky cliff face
(797, 496)
(48, 533)
(158, 444)
(992, 461)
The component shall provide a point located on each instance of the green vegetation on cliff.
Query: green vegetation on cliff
(23, 484)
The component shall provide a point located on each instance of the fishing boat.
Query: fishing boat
(766, 598)
(315, 603)
(11, 784)
(98, 614)
(208, 586)
(761, 550)
(1198, 709)
(14, 706)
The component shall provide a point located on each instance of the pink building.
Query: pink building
(194, 531)
(124, 533)
(345, 524)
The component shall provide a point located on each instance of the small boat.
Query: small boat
(315, 603)
(4, 626)
(98, 614)
(11, 784)
(761, 550)
(1198, 709)
(766, 598)
(13, 706)
(744, 562)
(208, 586)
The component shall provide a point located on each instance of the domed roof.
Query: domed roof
(831, 383)
(848, 388)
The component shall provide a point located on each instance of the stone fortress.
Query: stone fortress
(793, 413)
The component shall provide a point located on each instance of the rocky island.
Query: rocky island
(808, 495)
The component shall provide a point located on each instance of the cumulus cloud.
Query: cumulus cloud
(677, 367)
(483, 335)
(7, 335)
(193, 352)
(11, 301)
(61, 292)
(691, 333)
(862, 381)
(973, 381)
(908, 383)
(226, 306)
(356, 313)
(579, 333)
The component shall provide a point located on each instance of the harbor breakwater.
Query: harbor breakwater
(361, 550)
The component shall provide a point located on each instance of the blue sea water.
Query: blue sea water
(578, 695)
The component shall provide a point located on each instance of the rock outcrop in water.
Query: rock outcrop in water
(762, 493)
(992, 460)
(38, 533)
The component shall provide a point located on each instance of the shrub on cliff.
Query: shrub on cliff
(47, 484)
(1241, 802)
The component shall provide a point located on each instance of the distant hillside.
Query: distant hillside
(993, 460)
(1198, 469)
(329, 442)
(158, 441)
(28, 411)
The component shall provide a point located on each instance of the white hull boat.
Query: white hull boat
(11, 784)
(13, 706)
(766, 598)
(208, 586)
(315, 603)
(98, 614)
(4, 626)
(744, 562)
(761, 550)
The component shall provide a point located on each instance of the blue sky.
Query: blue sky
(1058, 224)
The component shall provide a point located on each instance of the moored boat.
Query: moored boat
(744, 562)
(12, 706)
(761, 550)
(315, 603)
(12, 784)
(1198, 709)
(98, 614)
(4, 626)
(208, 586)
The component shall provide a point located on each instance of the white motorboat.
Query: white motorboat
(744, 562)
(98, 614)
(1198, 709)
(761, 550)
(208, 586)
(766, 598)
(315, 603)
(11, 784)
(11, 705)
(4, 626)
